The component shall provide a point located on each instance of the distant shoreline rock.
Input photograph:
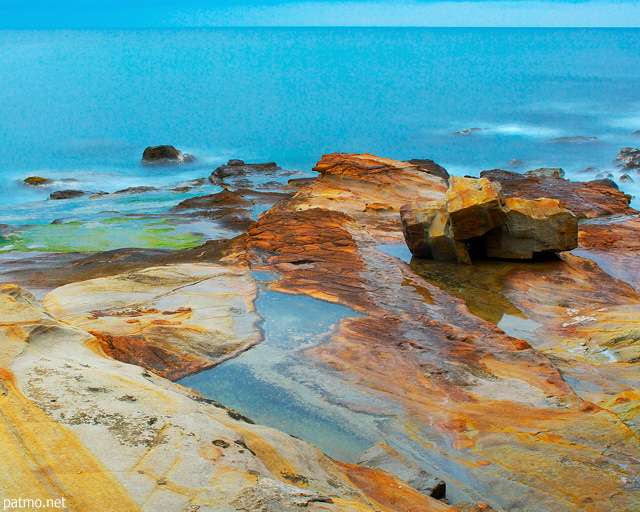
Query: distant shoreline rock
(165, 155)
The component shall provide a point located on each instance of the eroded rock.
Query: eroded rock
(629, 158)
(37, 181)
(165, 155)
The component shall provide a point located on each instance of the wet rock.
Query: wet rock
(575, 140)
(514, 162)
(213, 315)
(92, 423)
(629, 158)
(637, 132)
(474, 207)
(431, 167)
(135, 190)
(384, 457)
(468, 131)
(533, 227)
(548, 172)
(165, 155)
(604, 182)
(467, 506)
(226, 198)
(37, 181)
(625, 178)
(69, 194)
(589, 170)
(583, 199)
(237, 168)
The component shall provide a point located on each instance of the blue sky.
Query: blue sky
(182, 13)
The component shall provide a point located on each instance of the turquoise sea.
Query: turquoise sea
(83, 104)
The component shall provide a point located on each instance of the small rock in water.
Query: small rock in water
(605, 182)
(514, 162)
(165, 155)
(575, 140)
(630, 157)
(37, 181)
(68, 194)
(235, 168)
(626, 178)
(135, 190)
(548, 172)
(468, 131)
(637, 132)
(589, 170)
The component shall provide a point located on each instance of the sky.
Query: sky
(202, 13)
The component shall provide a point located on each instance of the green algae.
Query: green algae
(97, 236)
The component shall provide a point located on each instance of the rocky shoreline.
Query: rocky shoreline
(508, 385)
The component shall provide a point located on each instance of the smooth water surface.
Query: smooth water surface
(83, 104)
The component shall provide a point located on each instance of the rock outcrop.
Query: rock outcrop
(474, 217)
(105, 435)
(37, 181)
(629, 158)
(165, 155)
(585, 200)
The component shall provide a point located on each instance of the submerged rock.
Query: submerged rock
(165, 155)
(238, 168)
(37, 181)
(135, 190)
(575, 140)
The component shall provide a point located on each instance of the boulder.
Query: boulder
(474, 207)
(629, 157)
(626, 178)
(37, 181)
(548, 172)
(165, 155)
(533, 227)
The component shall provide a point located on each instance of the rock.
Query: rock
(384, 457)
(626, 178)
(637, 132)
(533, 227)
(604, 182)
(481, 506)
(429, 166)
(110, 436)
(575, 140)
(468, 131)
(36, 181)
(225, 198)
(474, 207)
(548, 172)
(514, 162)
(135, 190)
(630, 157)
(585, 200)
(237, 168)
(174, 320)
(165, 155)
(589, 170)
(68, 194)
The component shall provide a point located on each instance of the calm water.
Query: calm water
(84, 104)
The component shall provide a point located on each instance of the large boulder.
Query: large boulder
(474, 207)
(533, 227)
(165, 155)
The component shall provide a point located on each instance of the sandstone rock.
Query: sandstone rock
(431, 167)
(474, 207)
(583, 199)
(165, 155)
(547, 172)
(384, 457)
(533, 227)
(604, 182)
(174, 320)
(630, 157)
(135, 190)
(36, 181)
(110, 436)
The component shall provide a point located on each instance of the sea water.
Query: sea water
(83, 104)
